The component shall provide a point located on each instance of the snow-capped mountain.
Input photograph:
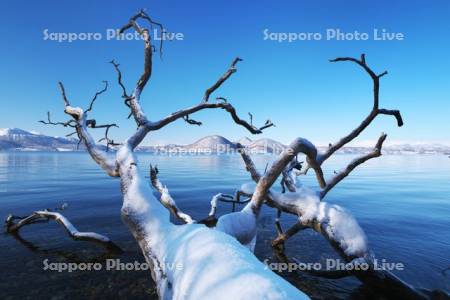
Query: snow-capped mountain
(215, 143)
(245, 141)
(208, 144)
(219, 144)
(15, 139)
(266, 146)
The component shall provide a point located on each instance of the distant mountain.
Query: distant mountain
(245, 141)
(418, 149)
(214, 143)
(219, 144)
(208, 144)
(403, 149)
(266, 146)
(15, 139)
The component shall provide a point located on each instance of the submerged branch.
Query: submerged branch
(15, 223)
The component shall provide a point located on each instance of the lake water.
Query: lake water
(402, 203)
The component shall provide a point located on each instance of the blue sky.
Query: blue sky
(293, 84)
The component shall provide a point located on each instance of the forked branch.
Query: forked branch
(70, 123)
(109, 142)
(146, 126)
(373, 113)
(80, 118)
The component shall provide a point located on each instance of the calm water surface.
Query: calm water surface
(402, 203)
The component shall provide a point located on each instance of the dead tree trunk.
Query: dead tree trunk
(198, 249)
(337, 226)
(214, 263)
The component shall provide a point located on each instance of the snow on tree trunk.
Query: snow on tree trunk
(192, 261)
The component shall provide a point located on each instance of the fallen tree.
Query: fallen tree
(333, 222)
(205, 254)
(217, 263)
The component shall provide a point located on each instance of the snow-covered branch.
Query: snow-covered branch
(194, 246)
(289, 175)
(334, 223)
(14, 223)
(102, 158)
(166, 198)
(249, 165)
(305, 203)
(299, 145)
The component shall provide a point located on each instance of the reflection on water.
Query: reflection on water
(402, 202)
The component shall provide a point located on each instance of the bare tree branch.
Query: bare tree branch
(119, 79)
(109, 142)
(395, 113)
(221, 99)
(352, 165)
(191, 121)
(294, 229)
(96, 95)
(70, 123)
(133, 100)
(63, 93)
(373, 113)
(148, 51)
(142, 131)
(182, 113)
(278, 222)
(232, 69)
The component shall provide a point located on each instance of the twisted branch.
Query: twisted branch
(96, 95)
(373, 113)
